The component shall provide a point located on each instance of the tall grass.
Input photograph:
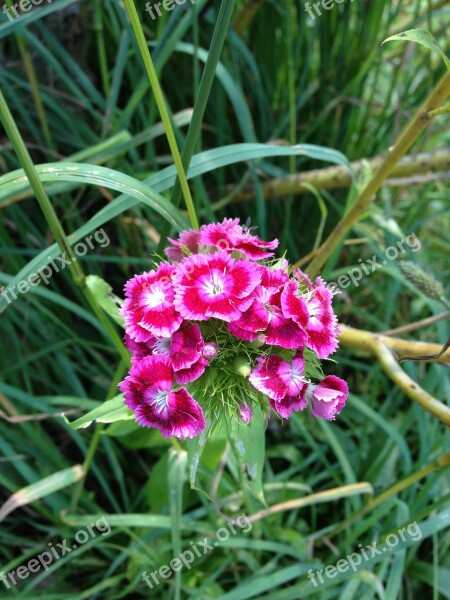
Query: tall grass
(72, 76)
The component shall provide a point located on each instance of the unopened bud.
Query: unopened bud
(210, 350)
(242, 366)
(245, 413)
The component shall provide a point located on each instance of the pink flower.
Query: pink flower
(265, 314)
(149, 392)
(227, 236)
(245, 413)
(282, 382)
(189, 240)
(184, 349)
(322, 328)
(214, 286)
(329, 397)
(148, 310)
(230, 236)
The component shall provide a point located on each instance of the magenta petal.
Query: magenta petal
(329, 397)
(186, 347)
(214, 286)
(139, 349)
(293, 306)
(322, 327)
(291, 375)
(265, 377)
(147, 378)
(192, 373)
(230, 235)
(284, 332)
(188, 239)
(242, 334)
(255, 318)
(180, 416)
(289, 404)
(148, 309)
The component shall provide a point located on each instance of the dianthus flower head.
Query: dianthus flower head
(224, 330)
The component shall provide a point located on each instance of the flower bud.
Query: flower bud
(260, 341)
(242, 366)
(245, 413)
(210, 350)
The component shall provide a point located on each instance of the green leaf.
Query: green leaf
(205, 162)
(422, 37)
(195, 448)
(41, 489)
(108, 412)
(103, 294)
(248, 443)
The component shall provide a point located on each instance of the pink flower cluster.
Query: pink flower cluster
(220, 280)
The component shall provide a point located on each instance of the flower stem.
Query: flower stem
(160, 102)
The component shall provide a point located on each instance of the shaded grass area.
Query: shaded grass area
(76, 87)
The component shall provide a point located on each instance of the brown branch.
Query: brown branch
(357, 339)
(409, 386)
(418, 324)
(338, 177)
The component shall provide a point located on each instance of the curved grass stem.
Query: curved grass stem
(161, 104)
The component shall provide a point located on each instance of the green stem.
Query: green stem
(31, 74)
(443, 462)
(160, 101)
(53, 222)
(95, 440)
(215, 50)
(101, 49)
(440, 111)
(207, 80)
(38, 189)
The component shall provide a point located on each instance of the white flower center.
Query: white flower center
(162, 346)
(154, 297)
(215, 284)
(160, 400)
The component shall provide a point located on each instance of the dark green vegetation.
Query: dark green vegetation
(76, 86)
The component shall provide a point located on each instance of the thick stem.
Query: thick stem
(339, 177)
(357, 339)
(409, 386)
